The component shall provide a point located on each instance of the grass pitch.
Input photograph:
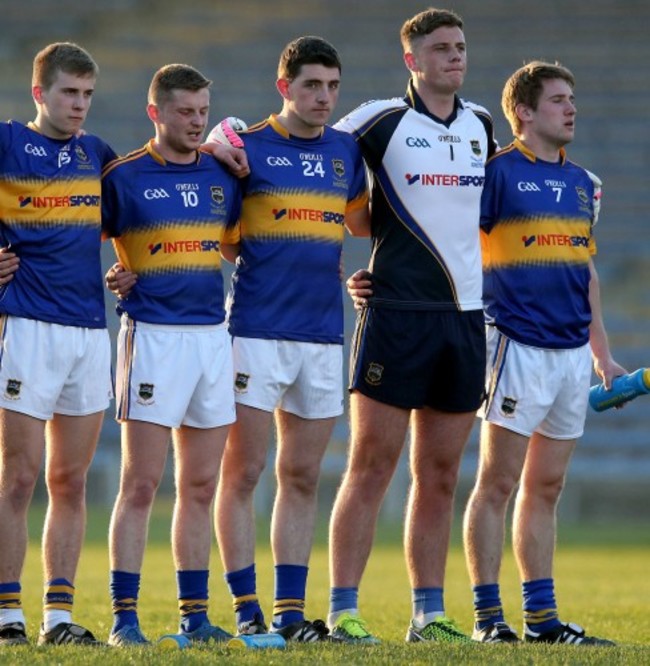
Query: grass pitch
(601, 583)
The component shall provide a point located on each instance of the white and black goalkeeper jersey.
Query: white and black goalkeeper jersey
(427, 178)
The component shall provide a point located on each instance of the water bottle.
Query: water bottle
(257, 642)
(624, 388)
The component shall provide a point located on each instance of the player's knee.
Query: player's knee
(302, 479)
(244, 478)
(545, 491)
(370, 479)
(67, 484)
(200, 492)
(550, 492)
(19, 487)
(495, 491)
(139, 494)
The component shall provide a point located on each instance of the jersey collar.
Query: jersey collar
(155, 155)
(415, 102)
(530, 155)
(282, 130)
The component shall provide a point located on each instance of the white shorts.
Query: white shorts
(48, 369)
(302, 378)
(174, 375)
(536, 390)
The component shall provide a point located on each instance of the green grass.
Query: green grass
(601, 578)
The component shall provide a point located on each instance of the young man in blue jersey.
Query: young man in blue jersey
(544, 322)
(418, 355)
(169, 208)
(307, 181)
(55, 374)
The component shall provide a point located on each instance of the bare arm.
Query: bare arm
(357, 222)
(234, 159)
(229, 252)
(604, 365)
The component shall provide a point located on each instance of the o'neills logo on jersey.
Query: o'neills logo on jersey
(60, 202)
(308, 215)
(555, 240)
(444, 180)
(184, 246)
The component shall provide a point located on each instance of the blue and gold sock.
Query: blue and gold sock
(428, 604)
(124, 587)
(243, 587)
(487, 605)
(11, 609)
(57, 603)
(192, 598)
(540, 609)
(290, 587)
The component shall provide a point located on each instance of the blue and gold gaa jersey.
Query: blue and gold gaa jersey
(168, 221)
(536, 234)
(50, 216)
(287, 283)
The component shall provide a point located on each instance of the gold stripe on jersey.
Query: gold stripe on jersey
(169, 249)
(537, 242)
(38, 202)
(308, 216)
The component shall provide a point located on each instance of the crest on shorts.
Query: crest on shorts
(339, 167)
(216, 192)
(508, 406)
(241, 382)
(145, 394)
(374, 374)
(12, 390)
(476, 146)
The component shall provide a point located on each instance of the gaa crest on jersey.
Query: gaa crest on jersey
(508, 407)
(216, 192)
(80, 153)
(374, 374)
(12, 389)
(241, 382)
(339, 167)
(83, 162)
(145, 394)
(475, 145)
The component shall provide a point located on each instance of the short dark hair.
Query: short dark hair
(175, 77)
(525, 87)
(307, 50)
(425, 23)
(65, 57)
